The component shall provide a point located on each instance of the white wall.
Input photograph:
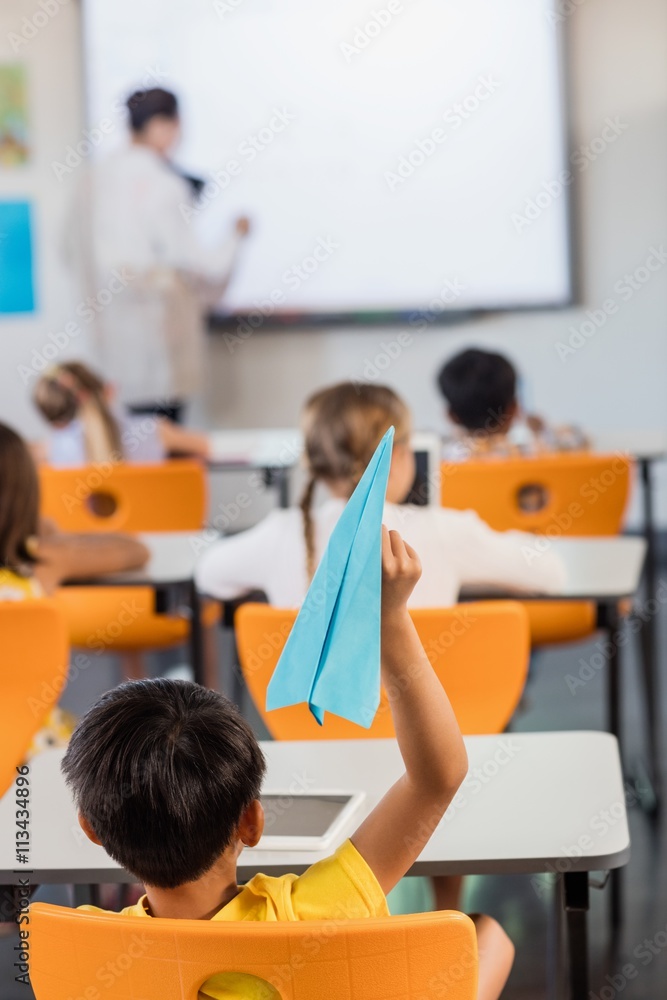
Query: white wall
(618, 56)
(51, 52)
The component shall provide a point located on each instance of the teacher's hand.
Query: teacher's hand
(243, 225)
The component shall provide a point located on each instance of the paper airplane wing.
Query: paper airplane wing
(332, 657)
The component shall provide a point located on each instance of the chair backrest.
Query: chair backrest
(169, 496)
(381, 958)
(480, 652)
(35, 660)
(565, 494)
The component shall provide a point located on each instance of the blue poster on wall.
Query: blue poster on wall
(17, 293)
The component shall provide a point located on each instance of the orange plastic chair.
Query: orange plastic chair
(480, 652)
(561, 495)
(381, 958)
(35, 660)
(578, 493)
(169, 496)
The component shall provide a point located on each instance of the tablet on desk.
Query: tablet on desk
(307, 821)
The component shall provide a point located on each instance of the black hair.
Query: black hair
(480, 388)
(146, 104)
(162, 770)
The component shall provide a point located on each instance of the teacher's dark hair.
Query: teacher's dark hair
(163, 770)
(146, 104)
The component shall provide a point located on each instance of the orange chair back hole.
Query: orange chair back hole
(578, 493)
(102, 504)
(167, 496)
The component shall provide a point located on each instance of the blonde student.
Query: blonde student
(342, 427)
(194, 773)
(87, 427)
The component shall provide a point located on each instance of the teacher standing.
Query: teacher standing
(148, 280)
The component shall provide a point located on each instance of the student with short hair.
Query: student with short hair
(343, 426)
(192, 771)
(480, 388)
(87, 427)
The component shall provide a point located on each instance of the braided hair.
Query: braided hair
(343, 426)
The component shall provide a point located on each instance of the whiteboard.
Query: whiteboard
(394, 156)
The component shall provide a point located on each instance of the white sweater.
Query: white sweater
(455, 547)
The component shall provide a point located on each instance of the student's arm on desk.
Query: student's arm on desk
(71, 557)
(513, 559)
(177, 440)
(236, 565)
(435, 759)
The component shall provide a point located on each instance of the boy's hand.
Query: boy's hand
(401, 569)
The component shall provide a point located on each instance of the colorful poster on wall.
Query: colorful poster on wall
(17, 293)
(14, 146)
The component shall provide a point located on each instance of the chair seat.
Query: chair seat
(560, 621)
(123, 618)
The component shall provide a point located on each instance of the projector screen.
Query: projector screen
(396, 157)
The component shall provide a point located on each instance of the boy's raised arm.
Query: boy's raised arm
(429, 739)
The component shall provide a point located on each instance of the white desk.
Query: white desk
(647, 445)
(598, 569)
(603, 570)
(532, 802)
(276, 451)
(536, 802)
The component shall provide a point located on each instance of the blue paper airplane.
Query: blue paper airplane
(332, 656)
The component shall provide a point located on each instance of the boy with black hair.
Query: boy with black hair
(167, 775)
(480, 388)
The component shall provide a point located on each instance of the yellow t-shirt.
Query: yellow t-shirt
(340, 887)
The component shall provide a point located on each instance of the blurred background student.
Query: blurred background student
(87, 427)
(480, 389)
(145, 279)
(343, 426)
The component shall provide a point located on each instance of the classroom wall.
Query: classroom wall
(615, 379)
(46, 38)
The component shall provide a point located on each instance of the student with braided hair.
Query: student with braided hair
(342, 427)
